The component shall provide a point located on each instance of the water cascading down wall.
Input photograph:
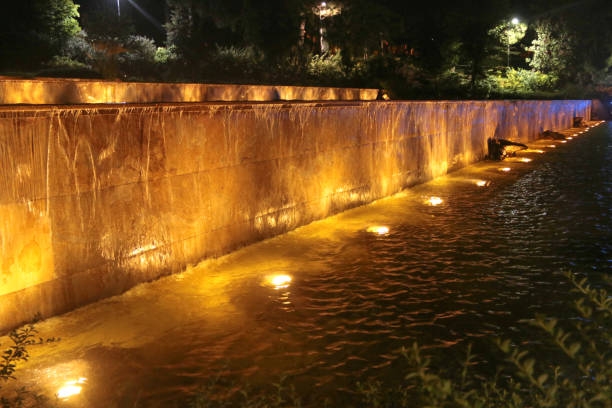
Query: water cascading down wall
(95, 199)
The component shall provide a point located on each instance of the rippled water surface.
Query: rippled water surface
(444, 275)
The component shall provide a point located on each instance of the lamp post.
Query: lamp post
(323, 45)
(514, 21)
(118, 9)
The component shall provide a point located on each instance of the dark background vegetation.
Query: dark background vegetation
(426, 49)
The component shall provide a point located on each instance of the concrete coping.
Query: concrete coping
(57, 91)
(112, 108)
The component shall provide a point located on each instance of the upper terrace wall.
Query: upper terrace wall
(80, 91)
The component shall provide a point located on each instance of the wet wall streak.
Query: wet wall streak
(94, 200)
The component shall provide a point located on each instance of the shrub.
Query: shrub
(18, 352)
(66, 62)
(66, 67)
(237, 63)
(137, 59)
(528, 80)
(326, 67)
(139, 48)
(164, 55)
(520, 83)
(77, 48)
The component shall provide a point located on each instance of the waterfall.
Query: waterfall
(95, 199)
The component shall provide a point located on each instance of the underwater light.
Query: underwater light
(434, 201)
(506, 169)
(378, 229)
(481, 183)
(71, 388)
(525, 159)
(279, 281)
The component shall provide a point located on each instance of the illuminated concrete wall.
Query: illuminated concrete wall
(79, 91)
(94, 200)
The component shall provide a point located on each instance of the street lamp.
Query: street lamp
(514, 21)
(323, 45)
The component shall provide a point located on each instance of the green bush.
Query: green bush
(235, 63)
(77, 48)
(164, 55)
(525, 81)
(18, 352)
(327, 67)
(66, 67)
(66, 62)
(137, 59)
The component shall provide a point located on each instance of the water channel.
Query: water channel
(462, 258)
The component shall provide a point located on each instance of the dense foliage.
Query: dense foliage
(441, 49)
(35, 30)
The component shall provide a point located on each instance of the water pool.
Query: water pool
(463, 258)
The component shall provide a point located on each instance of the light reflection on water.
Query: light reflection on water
(332, 303)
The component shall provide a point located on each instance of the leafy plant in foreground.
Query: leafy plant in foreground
(18, 352)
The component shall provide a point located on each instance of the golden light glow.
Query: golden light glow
(279, 281)
(564, 141)
(142, 249)
(481, 183)
(506, 169)
(378, 229)
(534, 151)
(71, 388)
(525, 159)
(434, 201)
(569, 138)
(552, 146)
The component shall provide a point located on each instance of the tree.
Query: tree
(574, 39)
(429, 28)
(273, 26)
(362, 27)
(508, 34)
(33, 31)
(553, 49)
(477, 48)
(590, 26)
(196, 27)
